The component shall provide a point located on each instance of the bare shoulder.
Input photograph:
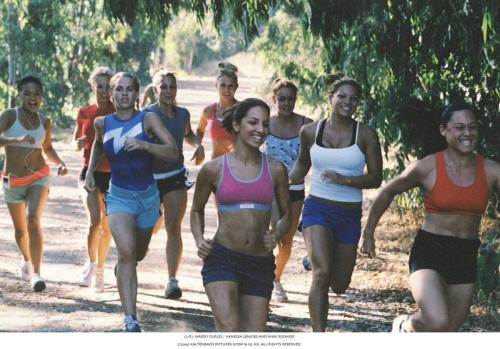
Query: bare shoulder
(423, 167)
(7, 117)
(45, 120)
(367, 131)
(492, 168)
(306, 119)
(278, 170)
(209, 172)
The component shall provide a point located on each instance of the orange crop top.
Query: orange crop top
(448, 198)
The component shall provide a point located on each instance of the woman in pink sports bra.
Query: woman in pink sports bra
(26, 136)
(238, 266)
(213, 115)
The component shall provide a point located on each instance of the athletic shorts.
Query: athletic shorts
(455, 259)
(296, 195)
(144, 205)
(101, 179)
(253, 274)
(345, 222)
(18, 194)
(177, 181)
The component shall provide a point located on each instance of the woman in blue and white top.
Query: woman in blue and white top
(171, 176)
(127, 138)
(282, 144)
(338, 149)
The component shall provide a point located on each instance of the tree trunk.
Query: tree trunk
(11, 43)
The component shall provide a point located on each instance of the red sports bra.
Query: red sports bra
(449, 198)
(217, 131)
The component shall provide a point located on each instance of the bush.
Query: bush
(488, 279)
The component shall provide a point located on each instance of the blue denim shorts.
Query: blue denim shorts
(253, 274)
(144, 205)
(18, 194)
(345, 222)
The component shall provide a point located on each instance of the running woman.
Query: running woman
(457, 183)
(171, 177)
(127, 138)
(213, 115)
(98, 233)
(338, 149)
(238, 264)
(283, 144)
(26, 135)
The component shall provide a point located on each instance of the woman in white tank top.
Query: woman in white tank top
(337, 149)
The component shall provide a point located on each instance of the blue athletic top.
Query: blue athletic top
(177, 127)
(132, 170)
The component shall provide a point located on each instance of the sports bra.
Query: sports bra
(18, 130)
(348, 161)
(234, 194)
(448, 198)
(217, 131)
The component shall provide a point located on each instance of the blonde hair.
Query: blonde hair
(100, 71)
(335, 80)
(118, 76)
(163, 72)
(229, 70)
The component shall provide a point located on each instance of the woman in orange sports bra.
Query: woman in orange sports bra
(26, 136)
(213, 115)
(457, 184)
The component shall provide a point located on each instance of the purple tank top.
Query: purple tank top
(234, 194)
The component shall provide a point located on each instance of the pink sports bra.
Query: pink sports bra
(234, 194)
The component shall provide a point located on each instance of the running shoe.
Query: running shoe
(306, 263)
(98, 285)
(279, 293)
(397, 324)
(25, 270)
(130, 324)
(37, 283)
(173, 291)
(87, 274)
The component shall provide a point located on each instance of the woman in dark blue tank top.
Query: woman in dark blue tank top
(132, 203)
(170, 176)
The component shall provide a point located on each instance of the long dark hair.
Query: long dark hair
(239, 110)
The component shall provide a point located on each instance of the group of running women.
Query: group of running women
(133, 177)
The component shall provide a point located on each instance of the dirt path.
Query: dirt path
(377, 294)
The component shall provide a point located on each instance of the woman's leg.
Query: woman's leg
(319, 241)
(92, 208)
(224, 302)
(430, 292)
(18, 215)
(104, 234)
(253, 313)
(459, 302)
(174, 203)
(343, 261)
(285, 244)
(122, 227)
(36, 198)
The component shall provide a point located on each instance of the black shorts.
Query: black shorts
(296, 195)
(253, 274)
(178, 181)
(101, 179)
(455, 259)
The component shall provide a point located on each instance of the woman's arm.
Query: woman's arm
(373, 156)
(202, 125)
(192, 139)
(166, 150)
(280, 180)
(78, 139)
(303, 163)
(50, 151)
(411, 177)
(95, 154)
(204, 182)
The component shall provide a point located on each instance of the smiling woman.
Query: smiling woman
(238, 266)
(457, 183)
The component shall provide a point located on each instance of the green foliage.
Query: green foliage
(488, 278)
(62, 42)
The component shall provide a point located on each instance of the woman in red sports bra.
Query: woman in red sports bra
(213, 115)
(238, 264)
(457, 184)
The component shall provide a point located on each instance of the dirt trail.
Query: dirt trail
(378, 291)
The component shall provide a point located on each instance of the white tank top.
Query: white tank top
(18, 130)
(348, 161)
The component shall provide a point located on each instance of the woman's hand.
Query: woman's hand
(61, 169)
(332, 176)
(199, 155)
(89, 183)
(133, 144)
(204, 248)
(80, 142)
(26, 139)
(270, 240)
(368, 245)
